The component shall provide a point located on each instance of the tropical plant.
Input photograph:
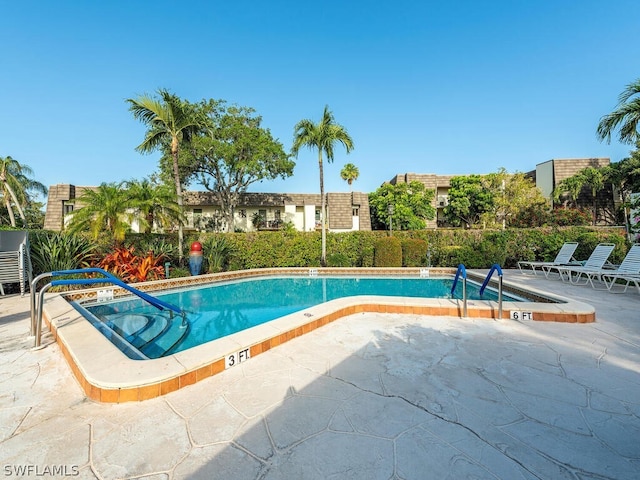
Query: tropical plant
(235, 152)
(349, 173)
(52, 251)
(217, 250)
(128, 266)
(571, 186)
(104, 208)
(15, 184)
(594, 179)
(626, 115)
(321, 136)
(152, 204)
(170, 121)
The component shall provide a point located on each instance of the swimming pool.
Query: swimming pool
(106, 374)
(221, 309)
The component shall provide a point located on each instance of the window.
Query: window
(197, 211)
(355, 211)
(68, 208)
(276, 215)
(243, 213)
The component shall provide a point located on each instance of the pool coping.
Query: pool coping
(107, 375)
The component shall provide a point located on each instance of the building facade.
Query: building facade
(255, 211)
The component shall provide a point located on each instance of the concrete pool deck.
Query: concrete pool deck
(372, 395)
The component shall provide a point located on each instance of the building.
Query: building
(547, 176)
(264, 211)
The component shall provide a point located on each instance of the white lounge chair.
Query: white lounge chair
(591, 269)
(564, 257)
(628, 271)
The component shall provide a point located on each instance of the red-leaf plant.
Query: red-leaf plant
(125, 264)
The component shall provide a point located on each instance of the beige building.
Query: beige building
(345, 211)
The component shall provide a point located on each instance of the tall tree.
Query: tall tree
(321, 136)
(15, 184)
(170, 121)
(626, 115)
(571, 186)
(513, 193)
(594, 179)
(349, 173)
(104, 208)
(468, 200)
(152, 204)
(235, 152)
(411, 204)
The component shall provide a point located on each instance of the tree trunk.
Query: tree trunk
(176, 175)
(323, 257)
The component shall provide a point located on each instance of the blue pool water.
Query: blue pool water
(221, 309)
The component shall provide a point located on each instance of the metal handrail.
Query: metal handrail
(461, 272)
(34, 287)
(159, 304)
(494, 268)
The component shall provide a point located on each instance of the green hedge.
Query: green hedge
(388, 252)
(443, 247)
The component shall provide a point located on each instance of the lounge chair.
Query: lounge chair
(591, 269)
(628, 271)
(564, 257)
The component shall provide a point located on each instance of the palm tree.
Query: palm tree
(103, 209)
(15, 186)
(321, 136)
(152, 203)
(570, 185)
(170, 121)
(626, 114)
(594, 179)
(349, 173)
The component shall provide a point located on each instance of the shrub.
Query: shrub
(414, 252)
(51, 251)
(217, 250)
(338, 260)
(388, 252)
(123, 263)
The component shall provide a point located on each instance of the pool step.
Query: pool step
(166, 340)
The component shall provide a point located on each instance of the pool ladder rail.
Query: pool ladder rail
(462, 272)
(37, 306)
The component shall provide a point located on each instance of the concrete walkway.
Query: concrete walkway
(370, 396)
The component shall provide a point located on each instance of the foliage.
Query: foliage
(414, 251)
(387, 252)
(52, 251)
(171, 121)
(411, 206)
(591, 177)
(565, 217)
(234, 152)
(321, 136)
(626, 116)
(338, 260)
(468, 200)
(103, 209)
(125, 264)
(512, 193)
(154, 204)
(349, 173)
(17, 188)
(217, 250)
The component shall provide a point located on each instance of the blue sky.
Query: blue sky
(446, 87)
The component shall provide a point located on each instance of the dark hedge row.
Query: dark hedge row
(441, 247)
